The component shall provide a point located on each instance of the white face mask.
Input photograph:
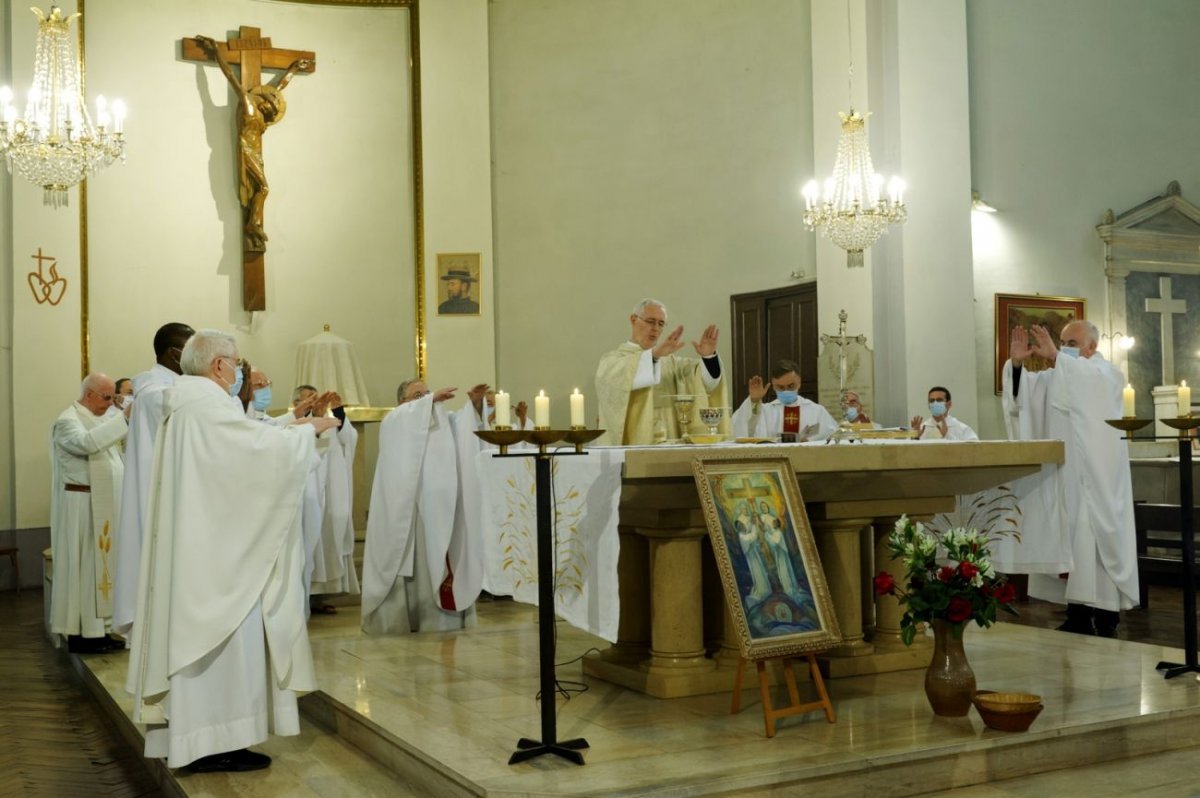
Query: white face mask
(1069, 351)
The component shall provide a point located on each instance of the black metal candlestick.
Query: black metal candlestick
(1188, 541)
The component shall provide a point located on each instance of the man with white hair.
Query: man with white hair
(1077, 517)
(87, 467)
(635, 380)
(423, 564)
(220, 649)
(144, 420)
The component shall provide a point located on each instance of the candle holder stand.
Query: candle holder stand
(549, 743)
(1185, 424)
(1128, 424)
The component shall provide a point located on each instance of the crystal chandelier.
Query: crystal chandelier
(851, 210)
(55, 143)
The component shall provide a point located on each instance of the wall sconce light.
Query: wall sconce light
(977, 204)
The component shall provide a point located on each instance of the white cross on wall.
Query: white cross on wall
(1168, 307)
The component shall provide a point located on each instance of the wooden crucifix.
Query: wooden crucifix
(259, 106)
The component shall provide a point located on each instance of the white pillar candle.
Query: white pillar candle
(577, 414)
(1127, 401)
(503, 409)
(541, 410)
(1185, 399)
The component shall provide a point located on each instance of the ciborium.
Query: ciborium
(711, 417)
(685, 405)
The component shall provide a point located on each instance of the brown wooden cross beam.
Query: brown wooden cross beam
(259, 106)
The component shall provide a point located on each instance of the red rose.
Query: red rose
(946, 573)
(885, 584)
(967, 570)
(959, 610)
(1006, 594)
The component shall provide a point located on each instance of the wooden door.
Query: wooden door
(775, 325)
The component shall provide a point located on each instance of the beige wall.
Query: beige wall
(640, 149)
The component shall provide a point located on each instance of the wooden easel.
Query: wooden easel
(770, 713)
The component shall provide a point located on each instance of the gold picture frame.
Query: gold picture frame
(1052, 312)
(767, 557)
(459, 283)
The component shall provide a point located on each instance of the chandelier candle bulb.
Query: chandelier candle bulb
(1127, 401)
(541, 411)
(503, 410)
(577, 414)
(1185, 399)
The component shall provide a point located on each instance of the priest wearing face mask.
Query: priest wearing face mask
(941, 426)
(219, 649)
(144, 421)
(789, 416)
(1077, 517)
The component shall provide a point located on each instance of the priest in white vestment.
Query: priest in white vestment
(87, 468)
(219, 649)
(144, 421)
(420, 570)
(789, 416)
(1090, 495)
(941, 426)
(635, 381)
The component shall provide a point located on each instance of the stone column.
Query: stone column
(676, 626)
(887, 608)
(840, 545)
(633, 578)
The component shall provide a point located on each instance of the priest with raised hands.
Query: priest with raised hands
(144, 421)
(420, 570)
(1077, 517)
(789, 416)
(219, 649)
(87, 469)
(635, 381)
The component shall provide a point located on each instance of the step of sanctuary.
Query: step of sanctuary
(444, 712)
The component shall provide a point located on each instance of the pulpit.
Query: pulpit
(675, 638)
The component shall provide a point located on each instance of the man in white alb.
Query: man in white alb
(219, 649)
(422, 568)
(789, 416)
(144, 421)
(87, 468)
(635, 380)
(1081, 511)
(941, 426)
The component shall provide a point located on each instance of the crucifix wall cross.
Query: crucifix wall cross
(259, 106)
(1168, 306)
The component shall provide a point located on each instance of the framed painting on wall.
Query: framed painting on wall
(1020, 310)
(458, 283)
(771, 574)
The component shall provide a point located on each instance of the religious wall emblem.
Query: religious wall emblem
(46, 285)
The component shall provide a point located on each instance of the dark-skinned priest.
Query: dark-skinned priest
(635, 381)
(1077, 517)
(219, 648)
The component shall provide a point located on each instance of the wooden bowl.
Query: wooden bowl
(1007, 711)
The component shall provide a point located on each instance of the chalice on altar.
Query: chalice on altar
(711, 417)
(684, 405)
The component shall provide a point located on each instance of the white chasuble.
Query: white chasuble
(221, 595)
(334, 562)
(815, 422)
(1090, 495)
(85, 453)
(630, 411)
(144, 421)
(413, 516)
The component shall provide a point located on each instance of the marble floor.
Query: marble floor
(446, 711)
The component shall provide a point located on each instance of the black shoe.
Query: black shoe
(77, 644)
(1106, 623)
(238, 761)
(1079, 620)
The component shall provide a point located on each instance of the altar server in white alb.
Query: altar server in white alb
(87, 468)
(941, 426)
(789, 416)
(422, 569)
(220, 649)
(1091, 491)
(144, 421)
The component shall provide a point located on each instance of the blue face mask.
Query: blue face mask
(236, 388)
(1069, 351)
(787, 397)
(262, 398)
(851, 413)
(938, 409)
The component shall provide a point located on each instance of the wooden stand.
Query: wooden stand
(770, 713)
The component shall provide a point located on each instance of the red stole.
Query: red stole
(791, 423)
(446, 590)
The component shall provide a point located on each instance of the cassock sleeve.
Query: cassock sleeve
(73, 437)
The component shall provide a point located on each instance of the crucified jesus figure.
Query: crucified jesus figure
(258, 109)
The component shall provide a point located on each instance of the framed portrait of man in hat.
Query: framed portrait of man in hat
(458, 283)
